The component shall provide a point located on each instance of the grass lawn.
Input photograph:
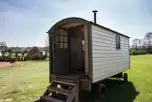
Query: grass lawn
(26, 83)
(139, 88)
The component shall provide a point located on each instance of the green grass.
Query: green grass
(139, 88)
(26, 83)
(141, 77)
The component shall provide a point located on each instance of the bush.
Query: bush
(1, 58)
(150, 51)
(139, 52)
(44, 57)
(7, 59)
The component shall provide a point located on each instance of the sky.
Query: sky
(25, 22)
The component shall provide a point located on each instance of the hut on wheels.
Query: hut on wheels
(82, 54)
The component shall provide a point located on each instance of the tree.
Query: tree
(46, 48)
(47, 41)
(148, 40)
(136, 43)
(3, 46)
(9, 50)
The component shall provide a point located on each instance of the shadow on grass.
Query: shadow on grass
(117, 91)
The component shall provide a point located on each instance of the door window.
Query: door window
(82, 46)
(61, 39)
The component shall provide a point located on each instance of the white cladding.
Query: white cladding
(106, 59)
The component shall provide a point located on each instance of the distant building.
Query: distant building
(34, 54)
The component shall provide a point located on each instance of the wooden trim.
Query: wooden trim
(53, 49)
(50, 57)
(129, 54)
(86, 50)
(90, 52)
(68, 20)
(69, 48)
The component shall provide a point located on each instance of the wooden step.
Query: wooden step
(64, 81)
(60, 90)
(50, 99)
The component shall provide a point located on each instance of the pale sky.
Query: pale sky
(25, 22)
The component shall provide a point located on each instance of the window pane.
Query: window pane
(65, 33)
(117, 41)
(65, 45)
(82, 42)
(82, 48)
(65, 39)
(61, 33)
(61, 39)
(61, 45)
(57, 32)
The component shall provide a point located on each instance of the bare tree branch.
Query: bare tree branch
(3, 46)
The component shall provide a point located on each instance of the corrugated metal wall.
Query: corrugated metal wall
(107, 60)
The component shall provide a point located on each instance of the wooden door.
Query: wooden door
(61, 52)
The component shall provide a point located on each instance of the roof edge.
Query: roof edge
(78, 19)
(68, 20)
(109, 29)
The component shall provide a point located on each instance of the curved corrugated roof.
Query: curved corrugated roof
(80, 20)
(68, 20)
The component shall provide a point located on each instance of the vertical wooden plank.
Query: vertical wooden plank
(77, 92)
(86, 49)
(90, 57)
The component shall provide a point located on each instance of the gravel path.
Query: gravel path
(6, 64)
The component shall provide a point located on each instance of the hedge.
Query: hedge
(141, 52)
(9, 58)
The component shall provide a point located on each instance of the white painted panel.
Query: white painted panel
(97, 32)
(103, 41)
(106, 59)
(109, 51)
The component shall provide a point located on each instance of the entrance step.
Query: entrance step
(60, 90)
(49, 99)
(67, 92)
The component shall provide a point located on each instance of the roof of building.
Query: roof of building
(76, 19)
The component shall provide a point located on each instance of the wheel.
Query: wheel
(102, 89)
(125, 77)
